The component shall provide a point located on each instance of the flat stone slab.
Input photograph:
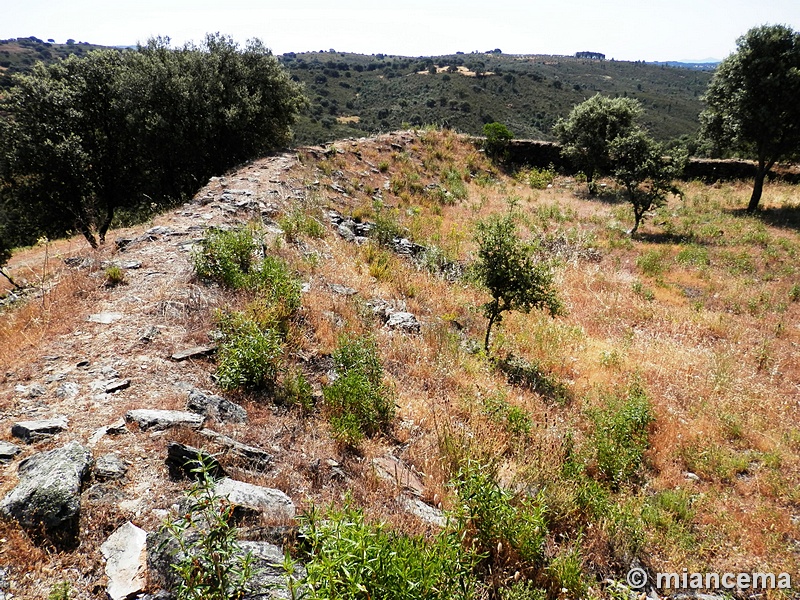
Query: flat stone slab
(104, 318)
(268, 502)
(394, 470)
(215, 406)
(110, 466)
(47, 496)
(424, 511)
(117, 385)
(125, 552)
(193, 352)
(8, 451)
(163, 419)
(252, 457)
(31, 431)
(183, 461)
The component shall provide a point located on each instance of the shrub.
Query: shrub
(211, 565)
(351, 559)
(620, 438)
(497, 138)
(226, 257)
(248, 357)
(114, 276)
(360, 403)
(299, 222)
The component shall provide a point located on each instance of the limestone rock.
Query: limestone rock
(403, 321)
(163, 419)
(125, 552)
(48, 492)
(215, 406)
(268, 502)
(31, 431)
(250, 456)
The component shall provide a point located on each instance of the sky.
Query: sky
(632, 30)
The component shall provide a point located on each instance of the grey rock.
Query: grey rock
(215, 406)
(48, 492)
(117, 385)
(67, 390)
(193, 352)
(8, 451)
(342, 290)
(110, 466)
(105, 318)
(31, 431)
(32, 391)
(163, 419)
(394, 470)
(125, 552)
(424, 511)
(250, 456)
(403, 321)
(269, 579)
(267, 502)
(345, 232)
(184, 461)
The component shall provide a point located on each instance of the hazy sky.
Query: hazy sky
(622, 29)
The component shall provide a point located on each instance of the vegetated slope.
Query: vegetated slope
(20, 54)
(655, 420)
(354, 94)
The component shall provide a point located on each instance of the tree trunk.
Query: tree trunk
(758, 184)
(488, 331)
(11, 281)
(106, 223)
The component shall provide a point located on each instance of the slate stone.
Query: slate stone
(254, 499)
(159, 420)
(184, 460)
(394, 470)
(215, 406)
(125, 552)
(47, 497)
(105, 318)
(8, 451)
(193, 352)
(31, 431)
(117, 385)
(403, 321)
(110, 466)
(424, 511)
(250, 456)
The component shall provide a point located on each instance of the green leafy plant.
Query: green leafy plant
(349, 558)
(506, 267)
(248, 356)
(60, 591)
(226, 257)
(211, 564)
(621, 435)
(497, 139)
(299, 222)
(114, 276)
(359, 402)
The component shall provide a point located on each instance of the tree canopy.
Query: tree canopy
(752, 101)
(586, 134)
(507, 268)
(88, 135)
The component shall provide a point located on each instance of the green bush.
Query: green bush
(621, 435)
(210, 563)
(351, 559)
(299, 222)
(359, 402)
(226, 257)
(497, 138)
(247, 356)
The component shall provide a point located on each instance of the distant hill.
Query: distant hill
(20, 54)
(710, 65)
(357, 95)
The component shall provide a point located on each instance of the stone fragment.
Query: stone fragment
(31, 431)
(125, 552)
(254, 499)
(117, 385)
(47, 497)
(250, 456)
(183, 461)
(215, 406)
(163, 419)
(109, 466)
(193, 352)
(393, 469)
(8, 451)
(105, 318)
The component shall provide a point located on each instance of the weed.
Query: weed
(210, 563)
(565, 571)
(360, 403)
(693, 255)
(538, 179)
(523, 590)
(60, 591)
(794, 292)
(351, 559)
(643, 291)
(383, 166)
(226, 257)
(651, 263)
(299, 222)
(248, 356)
(453, 180)
(296, 390)
(621, 438)
(114, 276)
(514, 419)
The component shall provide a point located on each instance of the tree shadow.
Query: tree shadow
(786, 217)
(607, 195)
(660, 237)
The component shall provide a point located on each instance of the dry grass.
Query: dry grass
(698, 308)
